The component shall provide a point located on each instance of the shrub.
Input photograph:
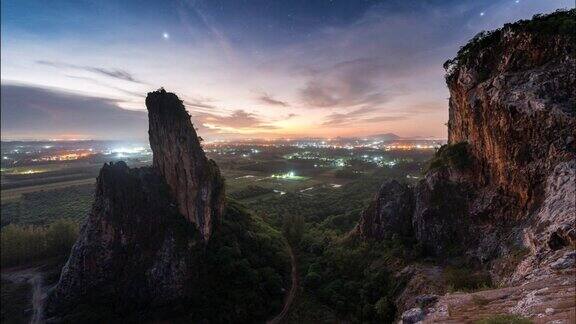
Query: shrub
(451, 155)
(561, 23)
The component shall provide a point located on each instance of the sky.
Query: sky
(81, 69)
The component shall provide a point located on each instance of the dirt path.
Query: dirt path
(291, 293)
(36, 280)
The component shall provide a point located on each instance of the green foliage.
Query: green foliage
(350, 278)
(244, 270)
(347, 173)
(250, 191)
(26, 243)
(293, 228)
(504, 319)
(561, 22)
(465, 279)
(326, 204)
(43, 207)
(451, 155)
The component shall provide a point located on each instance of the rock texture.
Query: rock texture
(507, 178)
(194, 180)
(139, 247)
(389, 213)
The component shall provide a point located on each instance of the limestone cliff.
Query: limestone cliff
(140, 244)
(134, 249)
(389, 213)
(194, 181)
(506, 179)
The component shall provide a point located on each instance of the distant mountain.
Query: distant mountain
(387, 137)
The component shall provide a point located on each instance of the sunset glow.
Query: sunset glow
(265, 70)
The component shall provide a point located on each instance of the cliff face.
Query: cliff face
(511, 128)
(513, 102)
(134, 249)
(389, 213)
(506, 179)
(194, 181)
(140, 244)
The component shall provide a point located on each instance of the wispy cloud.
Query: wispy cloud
(238, 120)
(361, 115)
(345, 84)
(104, 84)
(269, 100)
(112, 73)
(198, 104)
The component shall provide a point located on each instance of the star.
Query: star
(482, 14)
(165, 35)
(517, 1)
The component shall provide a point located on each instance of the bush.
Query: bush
(561, 23)
(244, 270)
(26, 243)
(451, 155)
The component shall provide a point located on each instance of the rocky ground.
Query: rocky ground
(546, 300)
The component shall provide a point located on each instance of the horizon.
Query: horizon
(260, 70)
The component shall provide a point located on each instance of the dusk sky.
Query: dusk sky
(245, 69)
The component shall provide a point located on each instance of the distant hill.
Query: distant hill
(385, 137)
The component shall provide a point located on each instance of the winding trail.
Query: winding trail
(291, 293)
(36, 280)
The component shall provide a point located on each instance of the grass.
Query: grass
(504, 319)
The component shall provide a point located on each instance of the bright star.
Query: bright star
(517, 1)
(165, 35)
(482, 14)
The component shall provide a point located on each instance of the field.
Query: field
(38, 194)
(314, 196)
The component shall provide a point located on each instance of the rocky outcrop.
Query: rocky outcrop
(506, 179)
(513, 102)
(389, 213)
(511, 149)
(140, 246)
(134, 248)
(194, 181)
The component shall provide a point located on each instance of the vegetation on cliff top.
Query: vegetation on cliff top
(451, 155)
(561, 22)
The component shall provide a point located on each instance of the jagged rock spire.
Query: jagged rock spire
(194, 181)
